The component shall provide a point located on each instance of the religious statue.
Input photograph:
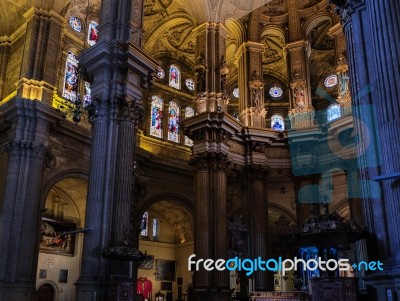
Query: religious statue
(200, 71)
(299, 96)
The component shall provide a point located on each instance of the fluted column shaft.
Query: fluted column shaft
(259, 225)
(211, 227)
(251, 86)
(385, 26)
(20, 209)
(372, 34)
(5, 44)
(359, 51)
(211, 69)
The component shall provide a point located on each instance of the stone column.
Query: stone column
(211, 70)
(374, 89)
(359, 51)
(251, 86)
(263, 280)
(20, 209)
(211, 228)
(121, 72)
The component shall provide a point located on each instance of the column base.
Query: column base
(17, 292)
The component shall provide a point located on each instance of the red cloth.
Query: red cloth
(139, 286)
(147, 287)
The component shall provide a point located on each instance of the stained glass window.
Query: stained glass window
(144, 224)
(275, 91)
(236, 92)
(333, 112)
(173, 121)
(277, 122)
(190, 84)
(174, 77)
(189, 112)
(87, 97)
(92, 33)
(160, 72)
(155, 228)
(75, 23)
(156, 116)
(70, 89)
(331, 81)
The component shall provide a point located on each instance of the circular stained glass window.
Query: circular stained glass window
(275, 91)
(236, 92)
(160, 73)
(190, 84)
(75, 23)
(331, 81)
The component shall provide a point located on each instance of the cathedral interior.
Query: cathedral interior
(135, 133)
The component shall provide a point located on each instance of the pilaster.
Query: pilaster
(211, 239)
(301, 112)
(258, 213)
(342, 68)
(251, 86)
(38, 74)
(211, 69)
(5, 45)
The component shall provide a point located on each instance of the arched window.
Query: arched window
(156, 116)
(333, 112)
(189, 112)
(92, 33)
(155, 228)
(277, 122)
(174, 77)
(173, 121)
(144, 224)
(70, 89)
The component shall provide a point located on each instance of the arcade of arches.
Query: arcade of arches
(136, 133)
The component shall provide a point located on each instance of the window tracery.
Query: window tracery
(156, 116)
(173, 122)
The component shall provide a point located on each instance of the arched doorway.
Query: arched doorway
(46, 292)
(166, 235)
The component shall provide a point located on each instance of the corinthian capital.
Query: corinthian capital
(344, 8)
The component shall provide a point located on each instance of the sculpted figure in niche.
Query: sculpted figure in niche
(299, 96)
(256, 97)
(200, 71)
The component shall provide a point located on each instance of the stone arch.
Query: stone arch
(314, 21)
(53, 286)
